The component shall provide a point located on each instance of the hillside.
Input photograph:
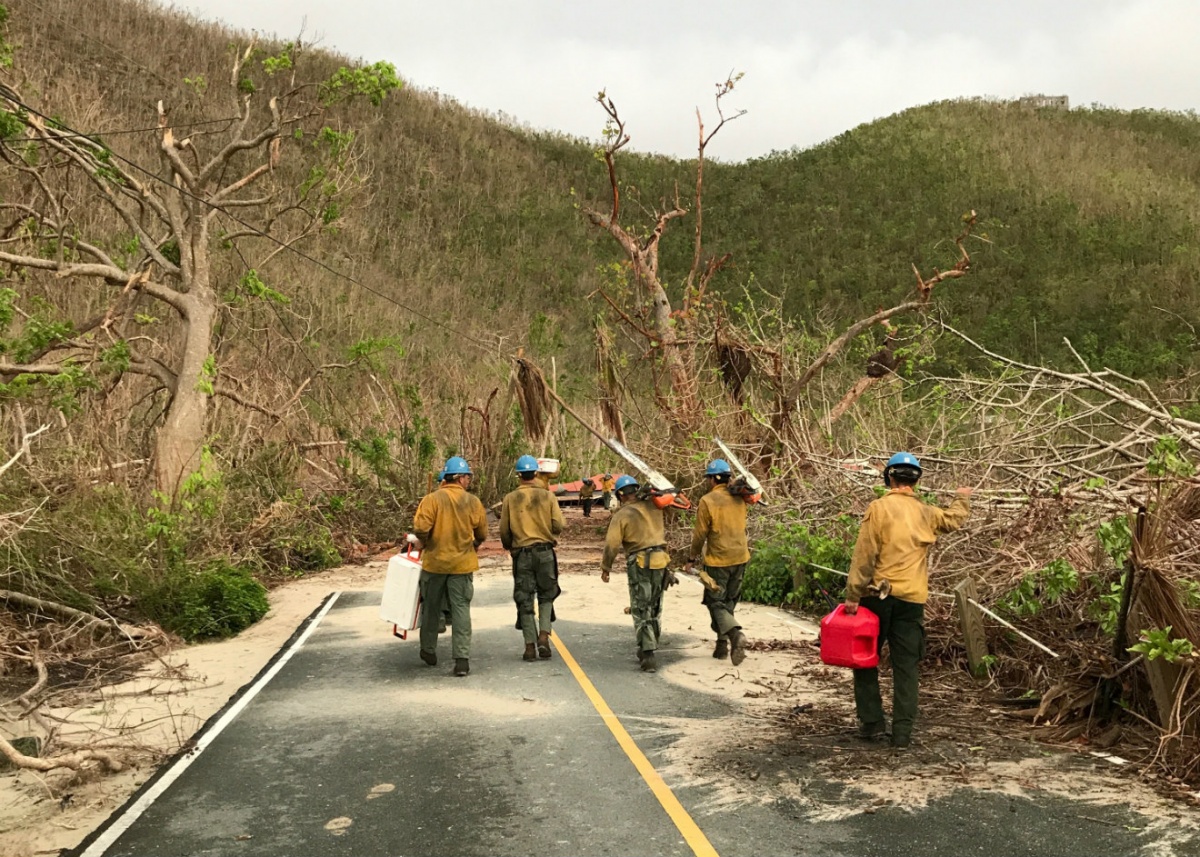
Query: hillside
(239, 334)
(1092, 213)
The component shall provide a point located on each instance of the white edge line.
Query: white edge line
(114, 832)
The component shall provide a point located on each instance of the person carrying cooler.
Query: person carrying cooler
(450, 524)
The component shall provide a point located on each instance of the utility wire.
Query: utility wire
(95, 134)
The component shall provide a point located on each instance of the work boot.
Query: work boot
(901, 742)
(530, 652)
(737, 646)
(721, 652)
(543, 645)
(461, 667)
(871, 731)
(649, 665)
(429, 657)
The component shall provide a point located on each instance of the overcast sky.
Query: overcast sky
(812, 70)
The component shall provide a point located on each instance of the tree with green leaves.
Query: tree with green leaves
(79, 214)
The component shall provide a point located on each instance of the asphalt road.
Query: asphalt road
(354, 747)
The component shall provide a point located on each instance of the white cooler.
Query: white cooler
(402, 593)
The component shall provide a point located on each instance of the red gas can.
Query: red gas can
(850, 640)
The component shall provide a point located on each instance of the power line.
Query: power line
(95, 134)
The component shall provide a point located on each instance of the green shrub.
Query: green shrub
(1039, 589)
(218, 602)
(770, 575)
(300, 546)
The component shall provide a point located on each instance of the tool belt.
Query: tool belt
(642, 555)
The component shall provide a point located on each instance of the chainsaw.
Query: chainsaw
(746, 485)
(658, 488)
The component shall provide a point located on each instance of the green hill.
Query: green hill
(349, 371)
(1091, 213)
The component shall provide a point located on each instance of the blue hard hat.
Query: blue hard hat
(626, 482)
(441, 476)
(456, 465)
(527, 464)
(716, 467)
(906, 459)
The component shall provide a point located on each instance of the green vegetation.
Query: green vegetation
(1158, 643)
(1040, 589)
(462, 240)
(789, 548)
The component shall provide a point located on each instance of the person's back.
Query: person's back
(448, 521)
(529, 515)
(637, 528)
(893, 545)
(719, 541)
(450, 524)
(634, 527)
(530, 520)
(903, 528)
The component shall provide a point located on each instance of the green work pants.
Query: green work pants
(645, 602)
(724, 601)
(458, 590)
(535, 575)
(902, 627)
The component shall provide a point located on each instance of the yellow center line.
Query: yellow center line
(692, 833)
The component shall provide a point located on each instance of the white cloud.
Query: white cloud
(813, 70)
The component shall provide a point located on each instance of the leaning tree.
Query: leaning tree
(83, 217)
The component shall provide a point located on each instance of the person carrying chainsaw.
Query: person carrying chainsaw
(720, 533)
(637, 528)
(530, 519)
(893, 545)
(450, 524)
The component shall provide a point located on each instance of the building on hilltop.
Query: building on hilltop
(1035, 102)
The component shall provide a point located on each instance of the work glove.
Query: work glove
(669, 579)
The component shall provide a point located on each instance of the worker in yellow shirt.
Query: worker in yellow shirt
(530, 519)
(893, 544)
(607, 486)
(450, 524)
(720, 532)
(637, 528)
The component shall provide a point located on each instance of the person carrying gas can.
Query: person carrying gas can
(637, 528)
(530, 519)
(893, 544)
(450, 524)
(720, 533)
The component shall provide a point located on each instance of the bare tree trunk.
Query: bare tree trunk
(180, 441)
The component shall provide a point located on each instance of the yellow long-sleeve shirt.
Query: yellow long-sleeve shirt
(635, 526)
(529, 516)
(720, 529)
(894, 541)
(451, 523)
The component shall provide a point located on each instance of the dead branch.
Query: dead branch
(29, 602)
(23, 448)
(74, 761)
